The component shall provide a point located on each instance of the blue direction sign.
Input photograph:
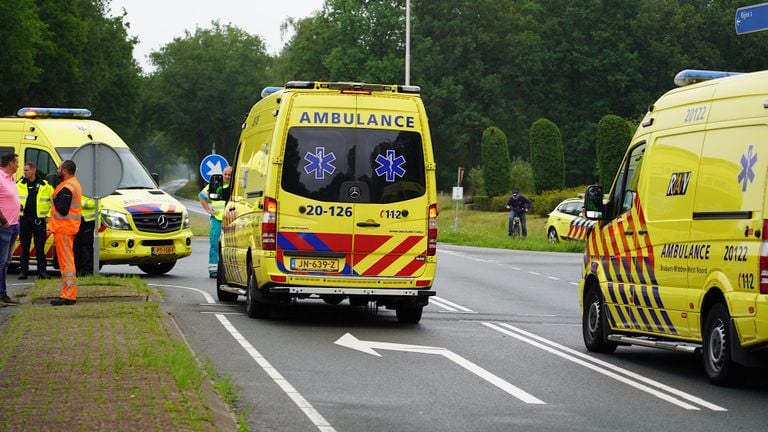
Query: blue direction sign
(752, 18)
(212, 164)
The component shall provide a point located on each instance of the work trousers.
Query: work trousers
(66, 257)
(83, 248)
(32, 229)
(213, 250)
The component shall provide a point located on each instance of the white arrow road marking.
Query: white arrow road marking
(604, 368)
(369, 347)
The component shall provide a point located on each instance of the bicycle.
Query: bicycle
(516, 228)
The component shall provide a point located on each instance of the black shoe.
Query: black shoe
(22, 275)
(9, 301)
(62, 302)
(43, 275)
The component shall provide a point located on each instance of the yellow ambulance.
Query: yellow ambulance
(332, 197)
(140, 224)
(679, 258)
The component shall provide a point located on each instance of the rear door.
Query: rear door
(353, 190)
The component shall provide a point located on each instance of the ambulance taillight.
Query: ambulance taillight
(764, 260)
(432, 231)
(269, 224)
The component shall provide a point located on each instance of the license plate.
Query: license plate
(163, 250)
(315, 264)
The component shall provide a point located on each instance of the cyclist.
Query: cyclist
(518, 205)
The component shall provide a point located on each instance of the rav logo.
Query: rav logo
(678, 183)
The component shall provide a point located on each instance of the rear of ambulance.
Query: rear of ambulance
(355, 209)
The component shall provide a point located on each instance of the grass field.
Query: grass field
(489, 229)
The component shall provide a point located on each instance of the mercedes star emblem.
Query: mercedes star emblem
(354, 192)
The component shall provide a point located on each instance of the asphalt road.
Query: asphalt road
(499, 349)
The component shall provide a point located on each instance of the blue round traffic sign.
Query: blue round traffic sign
(212, 164)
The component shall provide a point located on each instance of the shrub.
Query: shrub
(547, 158)
(495, 160)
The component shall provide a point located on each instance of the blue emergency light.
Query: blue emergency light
(71, 113)
(693, 76)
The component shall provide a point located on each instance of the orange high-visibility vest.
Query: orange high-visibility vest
(69, 223)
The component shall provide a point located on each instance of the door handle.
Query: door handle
(369, 224)
(630, 232)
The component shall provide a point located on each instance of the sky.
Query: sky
(156, 22)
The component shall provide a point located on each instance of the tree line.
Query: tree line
(504, 64)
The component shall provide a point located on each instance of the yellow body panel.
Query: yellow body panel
(690, 232)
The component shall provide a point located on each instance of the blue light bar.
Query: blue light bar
(693, 76)
(269, 90)
(54, 113)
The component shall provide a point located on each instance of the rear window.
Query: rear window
(354, 165)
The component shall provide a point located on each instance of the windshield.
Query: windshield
(322, 164)
(135, 176)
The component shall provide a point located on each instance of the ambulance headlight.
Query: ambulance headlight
(186, 220)
(115, 220)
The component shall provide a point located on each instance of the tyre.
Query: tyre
(516, 228)
(594, 322)
(158, 268)
(409, 314)
(253, 307)
(552, 235)
(717, 340)
(333, 299)
(223, 296)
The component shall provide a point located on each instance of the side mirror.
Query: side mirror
(156, 178)
(216, 187)
(53, 179)
(593, 202)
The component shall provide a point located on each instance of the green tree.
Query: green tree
(613, 135)
(522, 176)
(495, 154)
(202, 88)
(547, 158)
(20, 37)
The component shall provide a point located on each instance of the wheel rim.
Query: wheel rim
(593, 318)
(552, 235)
(717, 344)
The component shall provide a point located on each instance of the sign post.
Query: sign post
(101, 171)
(458, 196)
(752, 18)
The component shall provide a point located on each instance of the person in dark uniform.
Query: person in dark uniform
(35, 196)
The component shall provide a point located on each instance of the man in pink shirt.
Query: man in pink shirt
(10, 207)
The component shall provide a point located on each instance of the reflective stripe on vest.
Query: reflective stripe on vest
(69, 223)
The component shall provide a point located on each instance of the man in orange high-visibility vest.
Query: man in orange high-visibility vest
(65, 222)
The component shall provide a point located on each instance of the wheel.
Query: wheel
(717, 340)
(253, 307)
(224, 296)
(158, 268)
(409, 314)
(552, 235)
(594, 323)
(516, 228)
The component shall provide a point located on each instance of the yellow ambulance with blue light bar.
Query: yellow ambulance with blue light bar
(332, 197)
(679, 257)
(139, 223)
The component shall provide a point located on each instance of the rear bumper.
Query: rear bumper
(297, 290)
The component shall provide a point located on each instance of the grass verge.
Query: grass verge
(107, 363)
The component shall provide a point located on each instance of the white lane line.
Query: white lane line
(314, 416)
(574, 283)
(439, 301)
(553, 278)
(534, 273)
(604, 368)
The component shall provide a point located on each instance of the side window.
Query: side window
(625, 188)
(43, 160)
